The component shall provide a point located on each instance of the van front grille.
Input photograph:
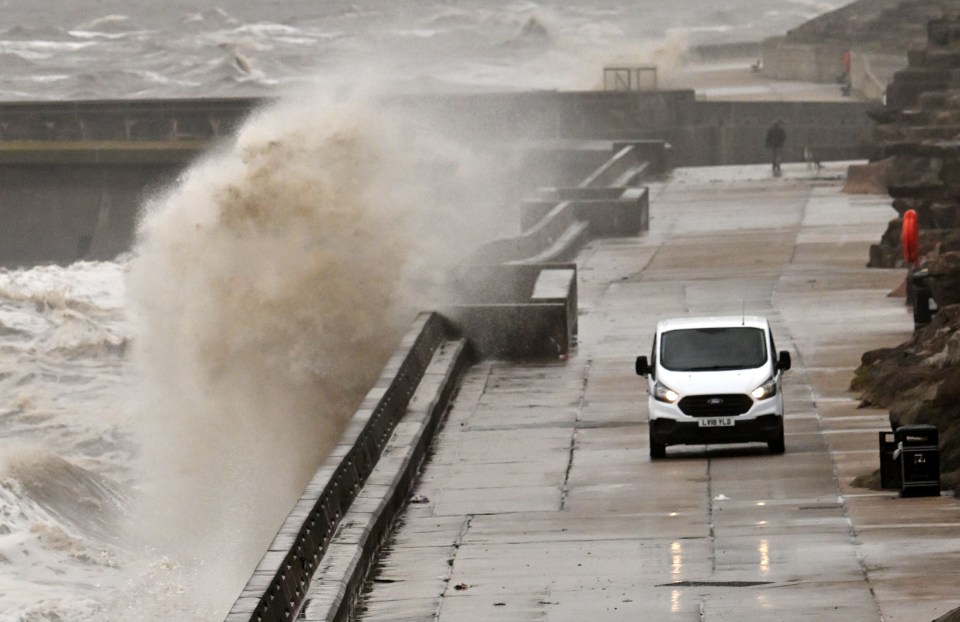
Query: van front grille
(715, 405)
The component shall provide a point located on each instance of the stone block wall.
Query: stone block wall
(918, 130)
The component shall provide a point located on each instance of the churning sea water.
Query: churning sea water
(179, 48)
(161, 412)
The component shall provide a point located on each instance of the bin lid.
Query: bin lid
(915, 427)
(916, 433)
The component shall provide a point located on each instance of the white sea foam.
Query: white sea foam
(63, 455)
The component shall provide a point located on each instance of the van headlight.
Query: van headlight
(663, 393)
(766, 390)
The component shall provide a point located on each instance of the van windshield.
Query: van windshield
(702, 349)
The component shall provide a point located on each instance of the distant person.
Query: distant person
(776, 137)
(845, 79)
(812, 159)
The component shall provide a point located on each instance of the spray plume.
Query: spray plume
(269, 287)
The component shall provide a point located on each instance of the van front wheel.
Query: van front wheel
(777, 445)
(658, 451)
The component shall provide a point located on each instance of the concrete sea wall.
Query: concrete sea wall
(702, 133)
(870, 70)
(65, 211)
(278, 588)
(73, 175)
(785, 60)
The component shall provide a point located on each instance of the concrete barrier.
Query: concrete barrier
(278, 587)
(784, 60)
(516, 310)
(625, 168)
(700, 132)
(870, 73)
(497, 307)
(561, 220)
(658, 155)
(515, 331)
(738, 131)
(558, 285)
(627, 215)
(337, 583)
(558, 234)
(626, 212)
(512, 283)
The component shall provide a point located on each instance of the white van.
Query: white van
(714, 380)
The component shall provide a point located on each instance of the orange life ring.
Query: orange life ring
(910, 237)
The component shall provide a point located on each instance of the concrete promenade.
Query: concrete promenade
(540, 502)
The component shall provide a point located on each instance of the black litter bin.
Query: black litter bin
(889, 467)
(923, 304)
(917, 457)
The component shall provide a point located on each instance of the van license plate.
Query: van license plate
(716, 422)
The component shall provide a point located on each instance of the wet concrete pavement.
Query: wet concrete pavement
(541, 502)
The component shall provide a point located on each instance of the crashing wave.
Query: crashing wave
(71, 499)
(77, 335)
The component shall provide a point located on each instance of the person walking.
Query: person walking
(776, 137)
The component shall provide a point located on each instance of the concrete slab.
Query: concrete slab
(734, 79)
(546, 506)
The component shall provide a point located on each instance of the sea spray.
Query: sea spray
(268, 288)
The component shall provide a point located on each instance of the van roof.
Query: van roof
(754, 321)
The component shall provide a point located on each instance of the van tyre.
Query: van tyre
(658, 451)
(777, 445)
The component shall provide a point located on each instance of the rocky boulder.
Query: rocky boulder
(944, 281)
(886, 24)
(918, 381)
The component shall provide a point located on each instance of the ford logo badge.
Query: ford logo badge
(715, 401)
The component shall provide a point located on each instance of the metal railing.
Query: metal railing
(630, 78)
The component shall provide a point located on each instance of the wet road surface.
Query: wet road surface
(540, 501)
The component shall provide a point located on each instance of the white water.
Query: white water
(152, 404)
(182, 48)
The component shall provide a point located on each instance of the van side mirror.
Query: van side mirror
(783, 363)
(643, 366)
